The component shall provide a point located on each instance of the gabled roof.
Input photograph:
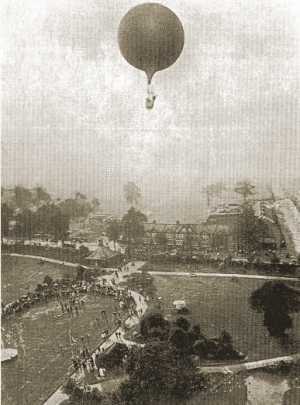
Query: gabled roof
(102, 253)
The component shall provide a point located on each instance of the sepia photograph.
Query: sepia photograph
(150, 202)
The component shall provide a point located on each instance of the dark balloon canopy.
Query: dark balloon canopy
(151, 38)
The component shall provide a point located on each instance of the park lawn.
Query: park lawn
(217, 304)
(41, 335)
(44, 352)
(20, 275)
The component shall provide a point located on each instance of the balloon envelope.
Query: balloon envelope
(151, 37)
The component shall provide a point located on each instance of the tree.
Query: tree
(80, 196)
(95, 204)
(132, 193)
(41, 195)
(25, 224)
(245, 189)
(251, 229)
(76, 207)
(152, 323)
(60, 223)
(133, 226)
(23, 197)
(6, 216)
(52, 219)
(43, 219)
(157, 372)
(277, 301)
(114, 230)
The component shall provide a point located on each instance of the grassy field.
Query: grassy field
(218, 303)
(40, 335)
(20, 275)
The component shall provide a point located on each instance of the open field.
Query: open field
(41, 334)
(20, 275)
(221, 303)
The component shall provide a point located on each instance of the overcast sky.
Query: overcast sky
(73, 109)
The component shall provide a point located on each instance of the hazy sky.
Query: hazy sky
(73, 109)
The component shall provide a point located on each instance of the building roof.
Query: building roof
(186, 228)
(102, 253)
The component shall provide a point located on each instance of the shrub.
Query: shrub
(152, 322)
(156, 372)
(276, 300)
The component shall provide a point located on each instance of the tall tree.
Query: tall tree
(251, 229)
(26, 224)
(52, 219)
(155, 366)
(6, 216)
(41, 195)
(113, 230)
(245, 189)
(95, 204)
(23, 197)
(277, 301)
(132, 193)
(133, 226)
(80, 196)
(60, 223)
(76, 207)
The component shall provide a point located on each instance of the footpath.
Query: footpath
(224, 275)
(58, 397)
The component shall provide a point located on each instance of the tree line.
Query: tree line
(33, 211)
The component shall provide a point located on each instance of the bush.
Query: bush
(153, 323)
(156, 372)
(276, 300)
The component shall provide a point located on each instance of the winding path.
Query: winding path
(58, 397)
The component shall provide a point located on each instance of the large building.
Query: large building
(220, 231)
(192, 238)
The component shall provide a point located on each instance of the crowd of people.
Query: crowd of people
(70, 296)
(83, 360)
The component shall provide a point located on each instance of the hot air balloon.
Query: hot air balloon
(151, 38)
